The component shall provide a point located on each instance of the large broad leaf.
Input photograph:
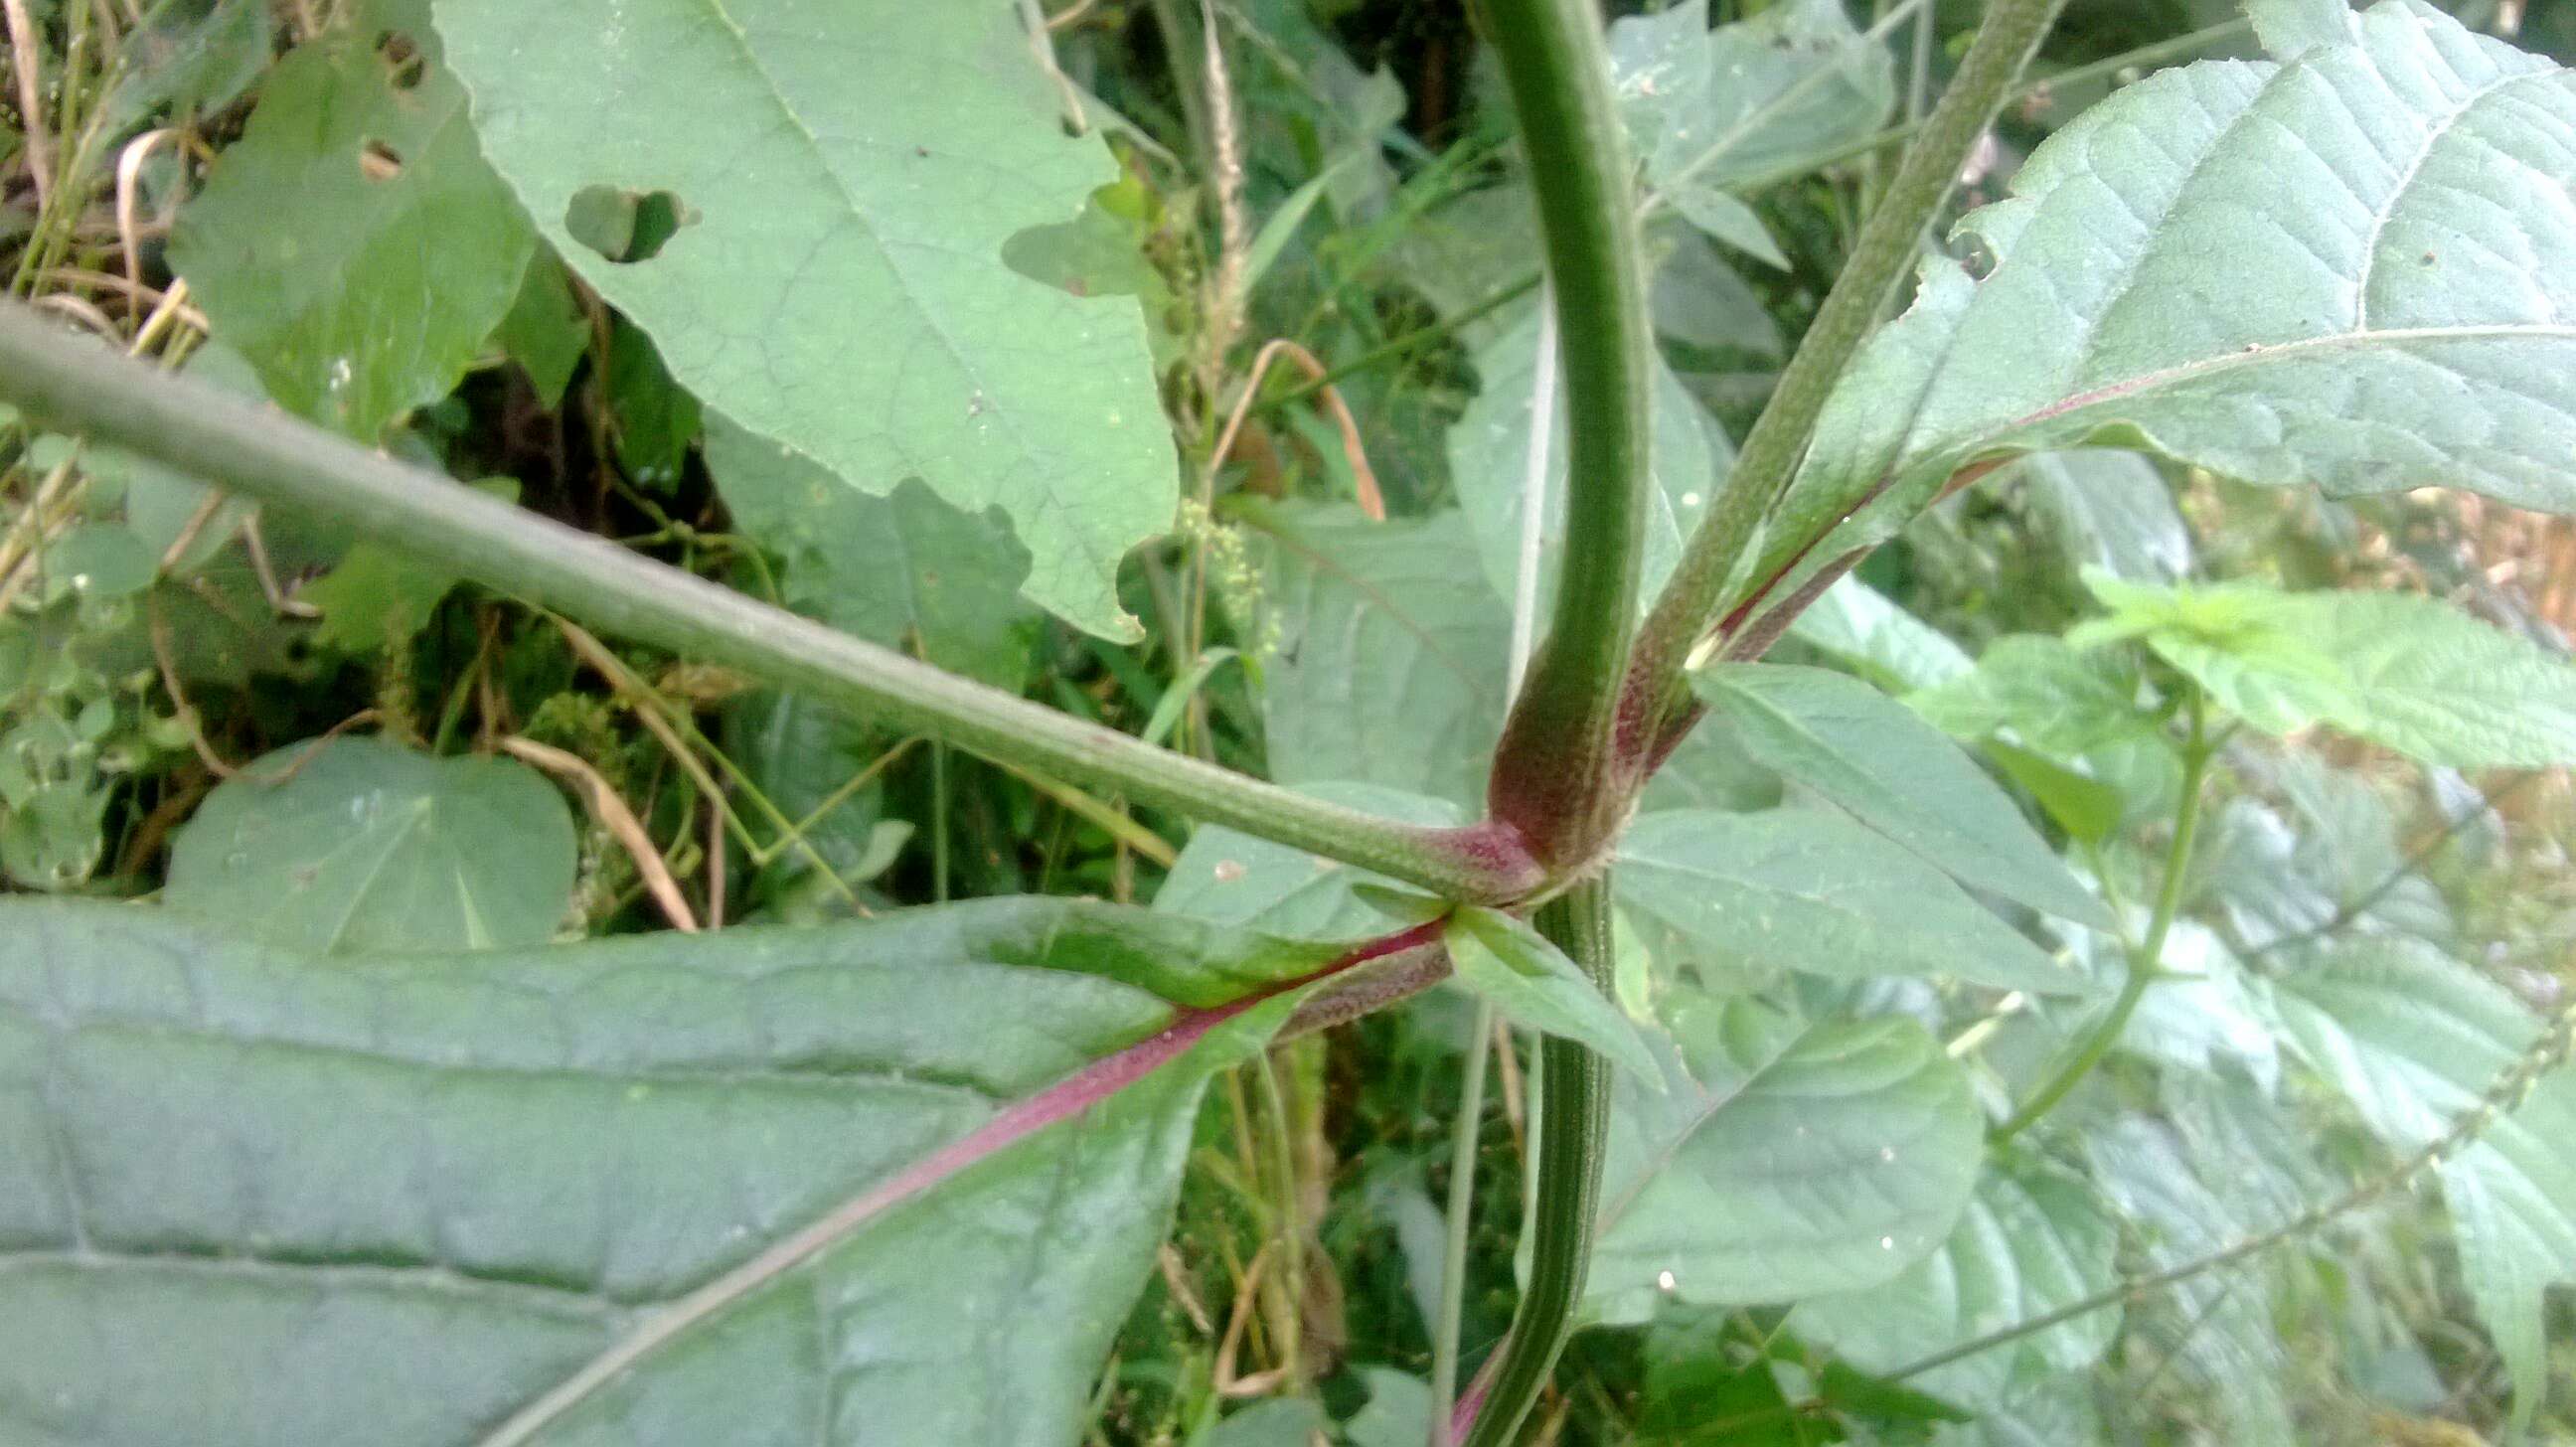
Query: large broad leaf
(2030, 1242)
(353, 244)
(1793, 890)
(906, 570)
(1780, 1160)
(2415, 1039)
(356, 844)
(1712, 112)
(843, 179)
(1878, 759)
(2397, 669)
(2354, 271)
(888, 1181)
(1389, 652)
(1688, 455)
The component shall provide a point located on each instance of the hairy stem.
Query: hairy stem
(2143, 963)
(70, 383)
(1697, 594)
(1554, 774)
(1573, 1130)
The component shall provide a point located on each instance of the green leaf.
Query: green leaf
(1532, 983)
(352, 243)
(353, 844)
(2058, 1412)
(2405, 671)
(843, 180)
(906, 570)
(1805, 891)
(2292, 28)
(2058, 699)
(2031, 1241)
(814, 1186)
(1874, 757)
(1713, 112)
(1780, 1160)
(2216, 1328)
(1489, 461)
(545, 331)
(378, 594)
(2085, 807)
(2414, 1039)
(1227, 877)
(2353, 273)
(1388, 666)
(2111, 510)
(1861, 628)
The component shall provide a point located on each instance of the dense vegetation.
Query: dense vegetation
(1916, 688)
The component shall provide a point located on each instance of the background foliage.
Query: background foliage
(961, 327)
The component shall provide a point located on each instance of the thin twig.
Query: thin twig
(1363, 477)
(613, 814)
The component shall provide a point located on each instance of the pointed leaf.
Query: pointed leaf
(1780, 1160)
(1532, 983)
(839, 183)
(354, 844)
(894, 1179)
(1812, 892)
(1878, 759)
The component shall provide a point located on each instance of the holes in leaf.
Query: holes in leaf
(405, 65)
(379, 161)
(625, 226)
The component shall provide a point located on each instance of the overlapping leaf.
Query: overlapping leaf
(843, 180)
(357, 845)
(353, 244)
(1872, 756)
(1794, 890)
(896, 1179)
(2354, 271)
(1781, 1159)
(2414, 1039)
(2029, 1243)
(2397, 669)
(1688, 455)
(1388, 667)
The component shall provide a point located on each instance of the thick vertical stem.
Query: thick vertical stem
(1573, 1128)
(1554, 775)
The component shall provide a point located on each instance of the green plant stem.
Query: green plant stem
(1553, 769)
(1466, 1132)
(2144, 962)
(1698, 591)
(1573, 1130)
(72, 384)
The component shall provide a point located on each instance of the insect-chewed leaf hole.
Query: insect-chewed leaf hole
(626, 226)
